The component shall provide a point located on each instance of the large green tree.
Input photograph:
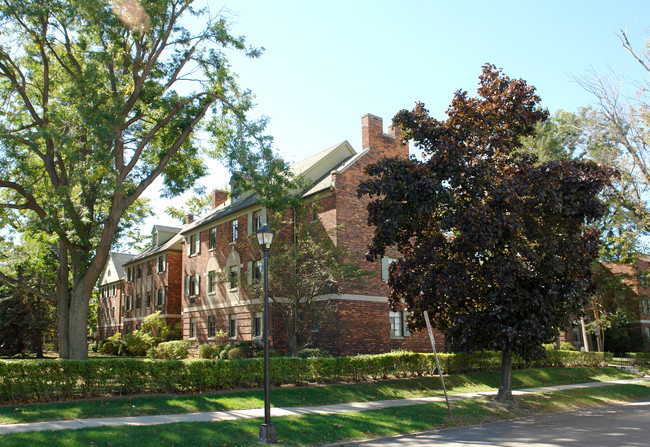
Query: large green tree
(26, 317)
(495, 246)
(99, 99)
(617, 130)
(586, 135)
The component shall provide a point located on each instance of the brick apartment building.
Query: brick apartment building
(153, 280)
(218, 256)
(207, 261)
(111, 295)
(628, 289)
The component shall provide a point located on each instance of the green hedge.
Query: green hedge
(44, 380)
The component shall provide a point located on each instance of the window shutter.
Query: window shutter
(187, 286)
(198, 284)
(249, 271)
(407, 333)
(384, 268)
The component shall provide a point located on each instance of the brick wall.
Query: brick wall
(355, 234)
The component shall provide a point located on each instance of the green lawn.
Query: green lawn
(312, 430)
(299, 396)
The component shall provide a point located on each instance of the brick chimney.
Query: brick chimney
(384, 145)
(218, 197)
(189, 217)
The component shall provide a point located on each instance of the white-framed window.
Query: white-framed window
(232, 326)
(193, 328)
(647, 332)
(212, 239)
(258, 220)
(316, 317)
(398, 327)
(162, 263)
(212, 326)
(386, 261)
(258, 322)
(645, 304)
(138, 301)
(192, 285)
(234, 231)
(160, 297)
(193, 245)
(128, 303)
(644, 279)
(258, 270)
(212, 281)
(233, 277)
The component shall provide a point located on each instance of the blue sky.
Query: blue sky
(326, 63)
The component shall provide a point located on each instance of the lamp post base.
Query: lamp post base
(267, 434)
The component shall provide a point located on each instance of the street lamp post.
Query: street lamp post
(267, 429)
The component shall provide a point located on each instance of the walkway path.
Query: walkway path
(215, 416)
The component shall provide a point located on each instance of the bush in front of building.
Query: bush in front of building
(306, 353)
(44, 380)
(170, 350)
(138, 343)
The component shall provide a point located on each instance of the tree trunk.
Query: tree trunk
(505, 384)
(78, 329)
(63, 317)
(584, 334)
(63, 302)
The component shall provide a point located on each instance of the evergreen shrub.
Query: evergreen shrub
(46, 380)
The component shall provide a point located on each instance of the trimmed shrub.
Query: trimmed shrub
(107, 347)
(209, 350)
(251, 348)
(240, 352)
(313, 352)
(138, 343)
(564, 346)
(170, 350)
(224, 352)
(45, 380)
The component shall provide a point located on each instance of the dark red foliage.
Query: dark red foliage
(497, 247)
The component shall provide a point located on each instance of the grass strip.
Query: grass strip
(299, 396)
(312, 430)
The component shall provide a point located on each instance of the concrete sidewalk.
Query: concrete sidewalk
(215, 416)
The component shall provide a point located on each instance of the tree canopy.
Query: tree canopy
(99, 99)
(494, 245)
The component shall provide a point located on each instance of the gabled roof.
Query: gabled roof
(172, 244)
(165, 229)
(317, 170)
(119, 259)
(114, 268)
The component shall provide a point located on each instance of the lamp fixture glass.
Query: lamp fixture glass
(265, 237)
